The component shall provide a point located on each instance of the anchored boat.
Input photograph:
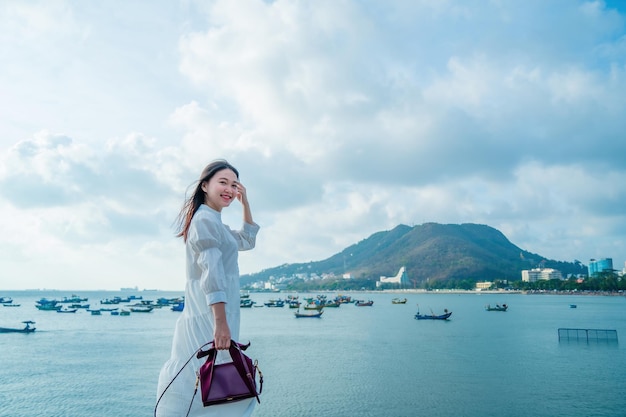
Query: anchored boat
(498, 307)
(445, 316)
(26, 329)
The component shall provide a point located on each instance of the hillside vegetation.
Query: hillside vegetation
(432, 254)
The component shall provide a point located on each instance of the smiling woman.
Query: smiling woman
(212, 290)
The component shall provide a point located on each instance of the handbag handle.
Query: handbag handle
(202, 353)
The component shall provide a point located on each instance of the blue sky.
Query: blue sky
(344, 118)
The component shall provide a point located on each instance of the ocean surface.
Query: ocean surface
(354, 361)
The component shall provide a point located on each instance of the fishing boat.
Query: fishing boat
(73, 299)
(48, 305)
(67, 310)
(498, 307)
(332, 304)
(343, 299)
(275, 303)
(362, 303)
(398, 301)
(298, 315)
(11, 305)
(6, 300)
(446, 314)
(572, 306)
(141, 309)
(246, 303)
(26, 329)
(178, 307)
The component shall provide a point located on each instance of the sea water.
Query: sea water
(353, 361)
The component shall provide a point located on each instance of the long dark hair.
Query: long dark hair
(192, 203)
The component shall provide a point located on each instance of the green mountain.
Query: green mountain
(431, 252)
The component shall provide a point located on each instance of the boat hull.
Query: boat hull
(9, 330)
(308, 315)
(27, 329)
(502, 307)
(433, 316)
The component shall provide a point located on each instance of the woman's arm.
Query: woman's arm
(221, 333)
(243, 198)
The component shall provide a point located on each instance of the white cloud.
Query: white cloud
(344, 118)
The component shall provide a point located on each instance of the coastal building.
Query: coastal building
(600, 265)
(536, 274)
(400, 278)
(484, 285)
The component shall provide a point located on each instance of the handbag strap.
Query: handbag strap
(195, 353)
(242, 367)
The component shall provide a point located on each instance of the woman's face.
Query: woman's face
(221, 189)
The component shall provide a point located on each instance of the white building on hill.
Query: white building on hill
(400, 278)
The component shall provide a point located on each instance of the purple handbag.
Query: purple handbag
(226, 382)
(231, 381)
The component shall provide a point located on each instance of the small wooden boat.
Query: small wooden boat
(95, 312)
(573, 306)
(67, 310)
(498, 307)
(178, 307)
(114, 300)
(332, 304)
(11, 305)
(398, 301)
(26, 329)
(73, 299)
(298, 315)
(433, 316)
(343, 299)
(141, 309)
(275, 303)
(124, 312)
(50, 306)
(361, 303)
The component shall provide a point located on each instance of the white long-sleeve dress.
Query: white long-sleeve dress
(212, 277)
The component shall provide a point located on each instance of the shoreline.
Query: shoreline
(522, 292)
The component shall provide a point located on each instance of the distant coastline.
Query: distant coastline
(527, 292)
(388, 291)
